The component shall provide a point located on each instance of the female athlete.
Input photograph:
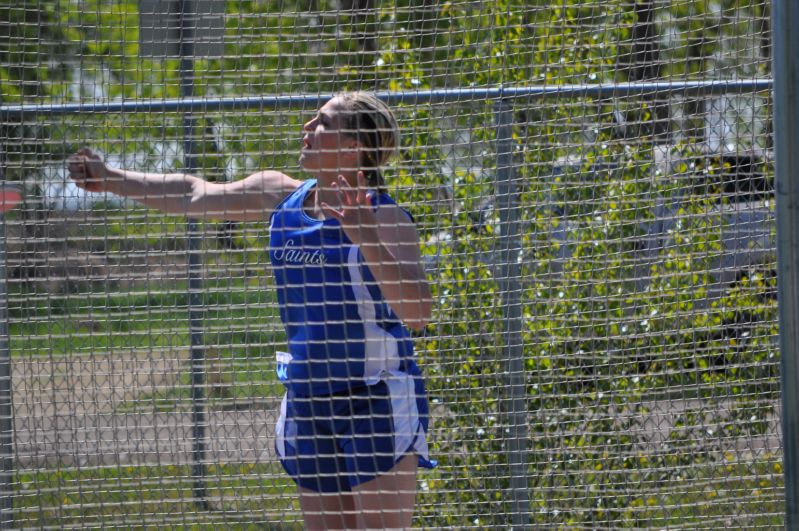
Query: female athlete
(350, 284)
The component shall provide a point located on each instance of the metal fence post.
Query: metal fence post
(509, 270)
(198, 398)
(785, 19)
(6, 404)
(6, 388)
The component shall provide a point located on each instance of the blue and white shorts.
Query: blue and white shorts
(335, 442)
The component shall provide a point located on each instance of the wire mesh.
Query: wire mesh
(603, 348)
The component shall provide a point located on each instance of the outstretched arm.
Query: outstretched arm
(249, 199)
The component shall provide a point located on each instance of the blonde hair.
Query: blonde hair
(370, 121)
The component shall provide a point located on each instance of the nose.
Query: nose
(309, 125)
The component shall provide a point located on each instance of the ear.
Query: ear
(353, 150)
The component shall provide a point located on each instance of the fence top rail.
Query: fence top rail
(460, 95)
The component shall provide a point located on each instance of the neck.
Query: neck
(327, 184)
(325, 192)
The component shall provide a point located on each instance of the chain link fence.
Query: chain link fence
(594, 188)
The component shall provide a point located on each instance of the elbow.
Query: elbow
(413, 305)
(417, 325)
(197, 208)
(421, 318)
(194, 203)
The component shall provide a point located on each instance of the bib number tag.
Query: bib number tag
(283, 359)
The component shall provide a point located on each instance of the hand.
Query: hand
(356, 212)
(88, 170)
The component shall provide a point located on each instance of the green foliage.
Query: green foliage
(613, 321)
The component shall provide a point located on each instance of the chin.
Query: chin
(304, 163)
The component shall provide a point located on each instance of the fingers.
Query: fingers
(76, 167)
(77, 162)
(86, 169)
(345, 191)
(362, 190)
(360, 194)
(327, 209)
(85, 154)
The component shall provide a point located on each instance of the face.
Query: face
(324, 147)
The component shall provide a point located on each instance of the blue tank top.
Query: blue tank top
(341, 333)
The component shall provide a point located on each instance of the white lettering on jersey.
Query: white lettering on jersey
(290, 253)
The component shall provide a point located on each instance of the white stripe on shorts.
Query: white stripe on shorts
(280, 429)
(408, 431)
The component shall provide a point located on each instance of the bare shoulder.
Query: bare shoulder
(392, 213)
(396, 225)
(270, 181)
(252, 198)
(266, 188)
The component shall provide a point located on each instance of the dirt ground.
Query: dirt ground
(98, 410)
